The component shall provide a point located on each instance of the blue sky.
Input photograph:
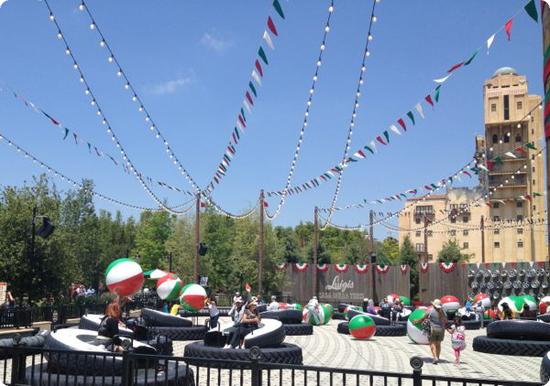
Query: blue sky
(191, 62)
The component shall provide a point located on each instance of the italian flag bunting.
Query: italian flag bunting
(447, 267)
(322, 267)
(341, 268)
(281, 266)
(404, 268)
(300, 267)
(278, 8)
(424, 267)
(361, 268)
(382, 268)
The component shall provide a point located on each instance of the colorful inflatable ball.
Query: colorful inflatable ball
(124, 277)
(516, 303)
(392, 298)
(450, 303)
(405, 300)
(316, 316)
(362, 327)
(415, 331)
(330, 308)
(192, 297)
(169, 287)
(543, 305)
(482, 298)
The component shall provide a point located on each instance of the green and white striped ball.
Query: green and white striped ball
(192, 297)
(414, 327)
(169, 287)
(316, 317)
(362, 327)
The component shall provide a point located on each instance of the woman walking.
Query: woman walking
(437, 321)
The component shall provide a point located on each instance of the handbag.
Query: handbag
(427, 327)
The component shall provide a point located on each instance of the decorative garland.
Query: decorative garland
(341, 268)
(281, 266)
(447, 267)
(322, 267)
(424, 267)
(301, 267)
(404, 268)
(382, 268)
(361, 268)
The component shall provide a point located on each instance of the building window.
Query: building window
(533, 182)
(430, 233)
(496, 219)
(519, 105)
(519, 204)
(518, 138)
(533, 169)
(453, 219)
(506, 139)
(496, 231)
(495, 138)
(496, 205)
(497, 244)
(453, 233)
(465, 245)
(430, 256)
(519, 217)
(418, 233)
(465, 219)
(520, 244)
(506, 107)
(417, 220)
(465, 233)
(520, 231)
(419, 247)
(493, 107)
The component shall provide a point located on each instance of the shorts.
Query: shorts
(437, 334)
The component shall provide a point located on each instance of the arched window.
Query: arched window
(506, 138)
(495, 138)
(518, 138)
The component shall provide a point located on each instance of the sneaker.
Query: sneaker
(226, 346)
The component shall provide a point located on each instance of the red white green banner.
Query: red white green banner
(382, 268)
(322, 267)
(424, 267)
(300, 267)
(447, 267)
(281, 266)
(404, 268)
(341, 267)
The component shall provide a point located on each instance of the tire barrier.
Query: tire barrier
(180, 333)
(513, 347)
(271, 333)
(519, 330)
(338, 316)
(298, 329)
(162, 344)
(389, 330)
(161, 319)
(92, 322)
(284, 316)
(471, 324)
(201, 355)
(545, 369)
(173, 375)
(69, 362)
(544, 317)
(27, 341)
(224, 311)
(378, 320)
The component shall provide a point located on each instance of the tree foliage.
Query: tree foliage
(451, 252)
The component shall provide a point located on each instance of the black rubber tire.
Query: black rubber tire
(378, 320)
(338, 316)
(471, 324)
(261, 308)
(204, 312)
(160, 319)
(162, 344)
(180, 333)
(298, 329)
(519, 330)
(395, 330)
(27, 341)
(272, 339)
(87, 324)
(38, 376)
(529, 348)
(285, 316)
(544, 317)
(199, 354)
(545, 368)
(343, 328)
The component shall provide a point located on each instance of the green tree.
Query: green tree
(388, 251)
(152, 232)
(451, 252)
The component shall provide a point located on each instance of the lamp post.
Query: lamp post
(373, 265)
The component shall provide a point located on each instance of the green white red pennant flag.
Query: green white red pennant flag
(447, 267)
(382, 268)
(300, 267)
(322, 267)
(268, 40)
(361, 268)
(420, 110)
(340, 268)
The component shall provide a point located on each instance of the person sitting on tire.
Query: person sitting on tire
(370, 307)
(108, 327)
(274, 305)
(506, 312)
(236, 313)
(249, 322)
(396, 309)
(385, 309)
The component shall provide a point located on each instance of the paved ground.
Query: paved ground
(328, 348)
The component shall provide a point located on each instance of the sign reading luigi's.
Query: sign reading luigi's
(342, 283)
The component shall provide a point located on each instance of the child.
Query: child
(458, 338)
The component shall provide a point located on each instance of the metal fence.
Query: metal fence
(28, 366)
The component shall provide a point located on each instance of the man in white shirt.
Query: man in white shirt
(274, 305)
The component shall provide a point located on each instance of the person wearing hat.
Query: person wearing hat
(248, 323)
(437, 321)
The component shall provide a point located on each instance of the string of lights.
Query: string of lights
(135, 97)
(65, 178)
(360, 82)
(104, 120)
(322, 48)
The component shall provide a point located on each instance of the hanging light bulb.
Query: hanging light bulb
(331, 8)
(52, 17)
(59, 35)
(92, 26)
(374, 19)
(102, 43)
(81, 7)
(110, 59)
(370, 37)
(327, 28)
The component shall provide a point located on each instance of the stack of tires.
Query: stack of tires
(383, 325)
(291, 320)
(265, 343)
(515, 337)
(173, 327)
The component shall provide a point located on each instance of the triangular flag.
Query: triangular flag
(262, 55)
(268, 40)
(259, 68)
(242, 113)
(508, 28)
(75, 138)
(66, 133)
(379, 139)
(252, 88)
(395, 129)
(510, 154)
(402, 124)
(89, 147)
(368, 148)
(387, 136)
(531, 10)
(411, 117)
(278, 8)
(256, 77)
(429, 100)
(271, 26)
(471, 58)
(373, 145)
(455, 67)
(359, 154)
(436, 95)
(442, 80)
(419, 109)
(490, 42)
(249, 98)
(247, 106)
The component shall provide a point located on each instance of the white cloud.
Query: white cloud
(170, 86)
(2, 2)
(215, 43)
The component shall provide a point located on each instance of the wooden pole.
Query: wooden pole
(315, 248)
(197, 238)
(482, 226)
(261, 246)
(372, 257)
(546, 103)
